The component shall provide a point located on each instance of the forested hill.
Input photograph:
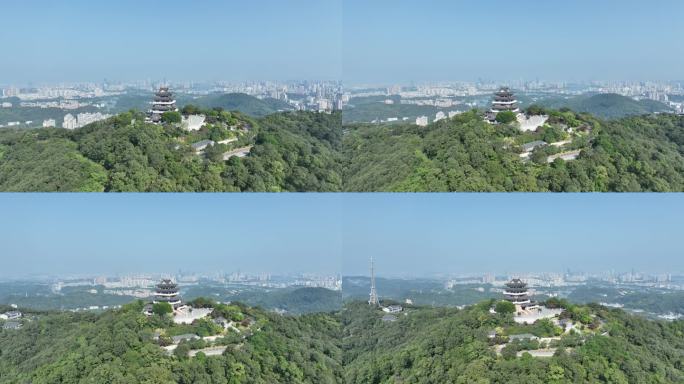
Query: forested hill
(464, 153)
(295, 151)
(357, 345)
(607, 105)
(249, 105)
(125, 346)
(308, 151)
(441, 345)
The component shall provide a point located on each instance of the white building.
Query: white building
(82, 119)
(392, 309)
(422, 121)
(49, 123)
(440, 116)
(70, 122)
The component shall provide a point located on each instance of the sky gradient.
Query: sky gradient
(430, 234)
(401, 41)
(85, 40)
(358, 41)
(408, 234)
(148, 232)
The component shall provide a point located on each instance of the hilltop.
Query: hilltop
(570, 152)
(309, 151)
(293, 151)
(358, 344)
(474, 345)
(125, 346)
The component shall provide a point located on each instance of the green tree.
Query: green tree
(505, 117)
(171, 117)
(162, 308)
(504, 306)
(535, 109)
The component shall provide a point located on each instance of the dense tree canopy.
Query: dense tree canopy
(306, 151)
(353, 345)
(118, 347)
(466, 154)
(441, 345)
(291, 152)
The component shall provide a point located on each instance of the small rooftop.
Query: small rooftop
(202, 144)
(186, 336)
(12, 325)
(527, 147)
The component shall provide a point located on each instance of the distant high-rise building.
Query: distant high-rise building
(70, 122)
(373, 299)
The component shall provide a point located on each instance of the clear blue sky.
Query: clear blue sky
(359, 41)
(401, 41)
(414, 234)
(119, 233)
(85, 40)
(426, 234)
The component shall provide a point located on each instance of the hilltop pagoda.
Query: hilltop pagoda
(163, 102)
(504, 100)
(517, 293)
(167, 292)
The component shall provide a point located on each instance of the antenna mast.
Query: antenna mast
(373, 300)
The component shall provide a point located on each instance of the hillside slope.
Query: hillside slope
(467, 154)
(119, 347)
(441, 345)
(290, 152)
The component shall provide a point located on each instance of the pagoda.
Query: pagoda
(504, 100)
(167, 292)
(163, 102)
(517, 293)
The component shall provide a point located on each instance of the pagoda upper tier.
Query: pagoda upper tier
(504, 100)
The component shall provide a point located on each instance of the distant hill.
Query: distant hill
(608, 105)
(249, 105)
(296, 301)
